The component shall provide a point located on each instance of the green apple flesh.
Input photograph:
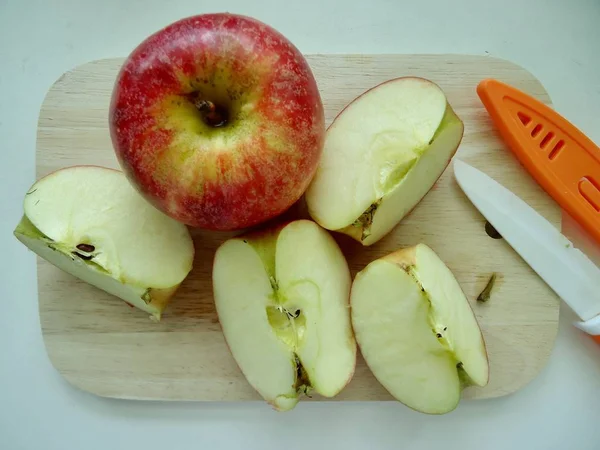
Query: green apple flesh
(417, 331)
(90, 222)
(382, 154)
(282, 299)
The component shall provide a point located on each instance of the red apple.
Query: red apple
(217, 120)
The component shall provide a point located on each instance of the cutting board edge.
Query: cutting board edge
(473, 393)
(496, 59)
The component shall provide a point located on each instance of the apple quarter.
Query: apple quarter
(282, 298)
(381, 155)
(417, 331)
(90, 222)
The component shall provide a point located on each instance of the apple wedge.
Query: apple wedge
(90, 222)
(417, 331)
(282, 298)
(382, 154)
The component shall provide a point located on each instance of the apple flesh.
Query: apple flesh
(90, 222)
(417, 331)
(282, 299)
(217, 120)
(382, 154)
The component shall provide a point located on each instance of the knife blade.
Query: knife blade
(567, 270)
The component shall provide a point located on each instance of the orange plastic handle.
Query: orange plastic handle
(596, 338)
(559, 157)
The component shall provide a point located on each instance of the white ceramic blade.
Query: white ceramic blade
(567, 270)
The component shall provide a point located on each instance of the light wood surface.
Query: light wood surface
(100, 345)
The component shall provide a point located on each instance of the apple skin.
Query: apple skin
(228, 177)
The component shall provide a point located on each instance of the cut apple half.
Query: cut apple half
(382, 154)
(282, 296)
(90, 222)
(417, 331)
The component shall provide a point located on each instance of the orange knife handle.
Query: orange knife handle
(559, 157)
(596, 338)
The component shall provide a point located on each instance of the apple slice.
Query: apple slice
(282, 299)
(90, 222)
(382, 154)
(417, 331)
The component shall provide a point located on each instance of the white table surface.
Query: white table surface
(558, 41)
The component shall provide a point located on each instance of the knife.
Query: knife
(568, 271)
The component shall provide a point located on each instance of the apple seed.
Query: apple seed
(88, 248)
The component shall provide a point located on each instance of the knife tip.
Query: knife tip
(459, 167)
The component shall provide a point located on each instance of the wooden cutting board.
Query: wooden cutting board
(102, 346)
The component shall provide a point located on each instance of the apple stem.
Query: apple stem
(205, 106)
(213, 116)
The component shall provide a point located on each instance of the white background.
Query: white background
(558, 41)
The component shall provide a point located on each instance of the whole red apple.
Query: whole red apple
(217, 120)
